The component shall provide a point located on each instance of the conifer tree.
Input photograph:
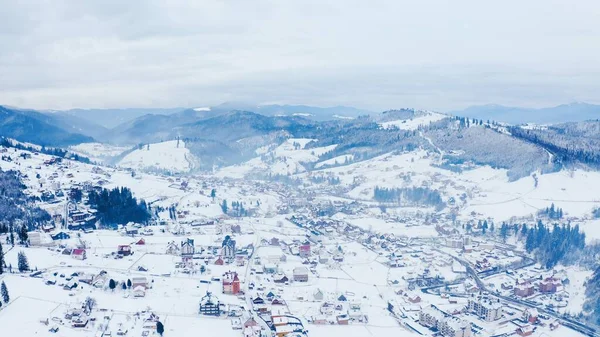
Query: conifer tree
(4, 293)
(23, 264)
(1, 259)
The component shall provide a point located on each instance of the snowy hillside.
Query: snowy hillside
(98, 152)
(170, 156)
(421, 119)
(285, 159)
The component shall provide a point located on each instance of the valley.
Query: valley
(319, 235)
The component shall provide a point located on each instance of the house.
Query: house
(231, 283)
(47, 228)
(35, 238)
(60, 236)
(139, 291)
(526, 330)
(124, 250)
(187, 251)
(209, 305)
(86, 278)
(277, 301)
(530, 315)
(300, 274)
(342, 298)
(70, 285)
(172, 248)
(219, 261)
(251, 322)
(251, 328)
(131, 230)
(304, 249)
(413, 298)
(270, 268)
(280, 278)
(79, 322)
(141, 242)
(318, 295)
(79, 254)
(228, 249)
(139, 282)
(343, 319)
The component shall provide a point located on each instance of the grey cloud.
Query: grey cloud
(378, 54)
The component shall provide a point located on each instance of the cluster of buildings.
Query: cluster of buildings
(447, 325)
(486, 308)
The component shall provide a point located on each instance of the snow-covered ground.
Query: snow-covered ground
(412, 124)
(367, 252)
(98, 152)
(285, 159)
(170, 156)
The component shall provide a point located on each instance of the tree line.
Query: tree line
(411, 196)
(118, 206)
(52, 151)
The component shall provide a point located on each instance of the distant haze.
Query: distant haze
(433, 54)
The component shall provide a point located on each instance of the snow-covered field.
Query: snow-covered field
(412, 124)
(365, 257)
(284, 159)
(169, 156)
(98, 152)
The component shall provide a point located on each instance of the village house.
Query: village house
(172, 248)
(280, 278)
(210, 305)
(228, 249)
(79, 254)
(251, 328)
(139, 282)
(318, 295)
(187, 251)
(60, 236)
(304, 249)
(300, 274)
(530, 315)
(231, 283)
(526, 330)
(139, 291)
(124, 250)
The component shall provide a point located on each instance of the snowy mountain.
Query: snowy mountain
(170, 156)
(110, 118)
(34, 127)
(573, 112)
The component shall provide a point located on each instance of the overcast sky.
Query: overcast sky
(440, 55)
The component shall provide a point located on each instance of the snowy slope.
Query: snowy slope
(97, 152)
(412, 124)
(335, 161)
(284, 159)
(488, 191)
(163, 156)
